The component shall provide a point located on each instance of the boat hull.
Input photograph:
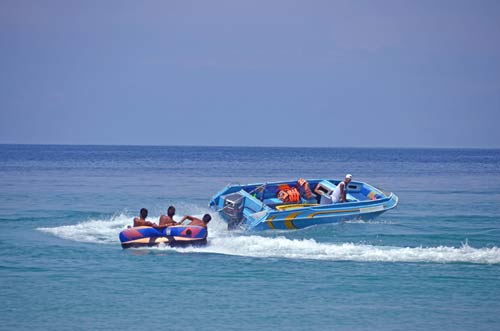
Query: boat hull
(173, 236)
(306, 217)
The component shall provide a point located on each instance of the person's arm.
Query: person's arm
(186, 217)
(307, 190)
(167, 221)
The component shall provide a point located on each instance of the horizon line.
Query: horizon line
(250, 146)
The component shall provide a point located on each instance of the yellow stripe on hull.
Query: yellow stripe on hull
(295, 206)
(270, 222)
(289, 220)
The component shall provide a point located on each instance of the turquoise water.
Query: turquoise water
(433, 263)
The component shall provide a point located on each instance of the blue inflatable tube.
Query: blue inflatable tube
(174, 236)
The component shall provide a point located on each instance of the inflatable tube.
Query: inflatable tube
(174, 236)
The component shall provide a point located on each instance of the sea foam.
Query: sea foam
(221, 241)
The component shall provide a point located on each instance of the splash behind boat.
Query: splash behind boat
(174, 236)
(257, 206)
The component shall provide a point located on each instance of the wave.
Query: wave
(92, 231)
(237, 244)
(255, 246)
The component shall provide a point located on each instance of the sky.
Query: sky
(357, 73)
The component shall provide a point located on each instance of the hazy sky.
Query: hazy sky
(254, 73)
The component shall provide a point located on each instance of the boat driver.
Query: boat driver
(339, 194)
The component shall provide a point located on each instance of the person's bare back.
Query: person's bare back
(196, 221)
(168, 220)
(141, 221)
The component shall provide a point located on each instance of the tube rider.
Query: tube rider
(168, 220)
(141, 221)
(196, 221)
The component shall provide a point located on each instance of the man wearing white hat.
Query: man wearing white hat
(339, 194)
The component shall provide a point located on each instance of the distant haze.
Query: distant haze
(251, 73)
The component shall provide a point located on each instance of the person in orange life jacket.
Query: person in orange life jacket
(196, 221)
(141, 221)
(168, 220)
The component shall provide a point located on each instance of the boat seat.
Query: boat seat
(312, 200)
(326, 200)
(272, 202)
(370, 194)
(351, 198)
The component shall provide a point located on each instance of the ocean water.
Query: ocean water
(433, 263)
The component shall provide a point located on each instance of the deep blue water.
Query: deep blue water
(431, 264)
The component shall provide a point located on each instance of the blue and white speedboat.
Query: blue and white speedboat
(264, 206)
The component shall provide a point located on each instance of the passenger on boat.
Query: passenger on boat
(339, 194)
(168, 220)
(196, 221)
(304, 189)
(141, 221)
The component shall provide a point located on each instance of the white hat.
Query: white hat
(348, 176)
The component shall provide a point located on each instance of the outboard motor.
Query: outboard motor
(232, 210)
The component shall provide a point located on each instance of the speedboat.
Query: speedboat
(286, 205)
(173, 236)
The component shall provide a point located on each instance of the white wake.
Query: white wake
(220, 241)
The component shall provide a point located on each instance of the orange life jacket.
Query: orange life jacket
(289, 195)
